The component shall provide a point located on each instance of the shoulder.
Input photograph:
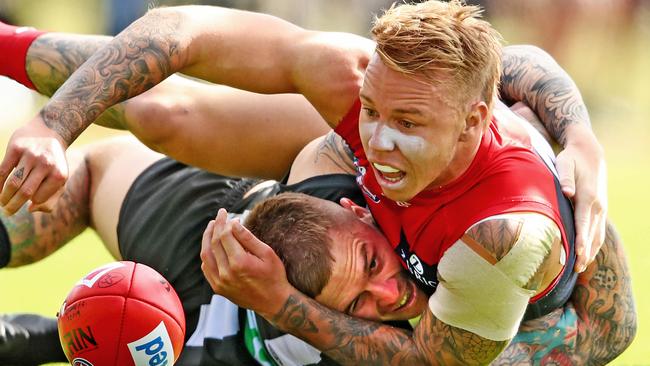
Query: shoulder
(528, 245)
(500, 233)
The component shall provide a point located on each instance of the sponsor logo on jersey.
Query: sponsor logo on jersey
(416, 264)
(81, 362)
(420, 270)
(94, 276)
(154, 349)
(79, 340)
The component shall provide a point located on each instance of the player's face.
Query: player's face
(409, 130)
(367, 278)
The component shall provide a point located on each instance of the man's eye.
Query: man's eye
(370, 112)
(407, 124)
(373, 264)
(352, 306)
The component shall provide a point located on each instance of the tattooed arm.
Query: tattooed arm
(603, 300)
(213, 44)
(207, 42)
(532, 76)
(251, 275)
(606, 319)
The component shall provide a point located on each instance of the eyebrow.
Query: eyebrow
(364, 252)
(398, 111)
(365, 98)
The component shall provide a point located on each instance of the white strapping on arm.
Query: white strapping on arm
(490, 299)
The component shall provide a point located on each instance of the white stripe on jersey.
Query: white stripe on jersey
(541, 146)
(217, 320)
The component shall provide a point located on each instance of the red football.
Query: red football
(122, 314)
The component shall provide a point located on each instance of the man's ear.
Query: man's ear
(360, 212)
(475, 121)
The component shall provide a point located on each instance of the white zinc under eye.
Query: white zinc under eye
(386, 138)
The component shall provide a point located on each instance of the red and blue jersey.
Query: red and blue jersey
(507, 175)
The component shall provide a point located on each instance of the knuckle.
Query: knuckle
(58, 176)
(13, 182)
(237, 266)
(26, 191)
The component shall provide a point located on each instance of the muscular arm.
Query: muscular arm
(433, 342)
(214, 127)
(531, 76)
(217, 45)
(603, 299)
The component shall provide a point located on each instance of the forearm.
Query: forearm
(53, 57)
(605, 305)
(532, 76)
(142, 56)
(355, 341)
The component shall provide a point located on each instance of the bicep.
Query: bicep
(265, 54)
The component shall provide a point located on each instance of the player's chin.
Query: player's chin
(399, 192)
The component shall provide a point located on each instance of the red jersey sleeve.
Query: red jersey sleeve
(348, 128)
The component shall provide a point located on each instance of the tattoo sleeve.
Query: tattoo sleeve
(140, 57)
(354, 341)
(54, 57)
(532, 76)
(605, 305)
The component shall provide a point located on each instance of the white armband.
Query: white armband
(491, 299)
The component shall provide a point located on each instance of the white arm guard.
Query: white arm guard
(490, 299)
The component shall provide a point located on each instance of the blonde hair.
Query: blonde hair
(446, 42)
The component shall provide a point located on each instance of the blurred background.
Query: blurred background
(603, 44)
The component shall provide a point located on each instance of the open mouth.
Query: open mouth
(388, 173)
(406, 298)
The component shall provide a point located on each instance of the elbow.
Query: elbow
(156, 118)
(528, 51)
(623, 334)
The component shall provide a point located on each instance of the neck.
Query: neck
(464, 156)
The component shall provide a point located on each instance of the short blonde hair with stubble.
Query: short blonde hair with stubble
(446, 42)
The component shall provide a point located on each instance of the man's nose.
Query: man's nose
(386, 294)
(382, 138)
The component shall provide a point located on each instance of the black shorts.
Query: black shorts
(162, 221)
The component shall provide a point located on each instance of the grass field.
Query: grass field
(617, 94)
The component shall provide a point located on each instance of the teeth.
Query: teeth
(401, 303)
(385, 168)
(404, 299)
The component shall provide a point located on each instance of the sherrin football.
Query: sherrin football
(122, 314)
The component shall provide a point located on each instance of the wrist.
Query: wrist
(52, 121)
(282, 297)
(582, 135)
